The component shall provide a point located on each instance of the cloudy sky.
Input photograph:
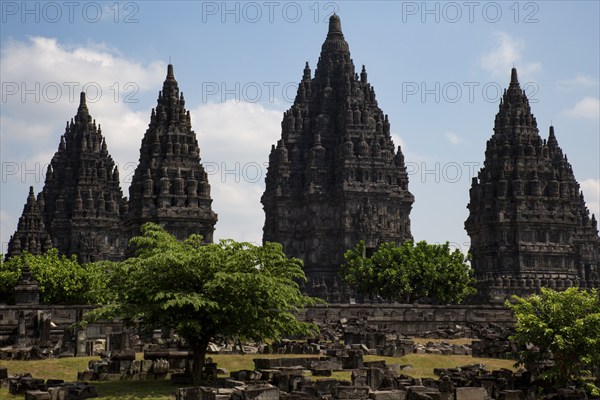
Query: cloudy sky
(438, 69)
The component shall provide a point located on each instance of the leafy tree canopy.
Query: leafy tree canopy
(410, 272)
(563, 326)
(62, 280)
(202, 290)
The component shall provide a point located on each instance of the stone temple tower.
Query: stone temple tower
(528, 222)
(81, 203)
(170, 186)
(334, 177)
(31, 234)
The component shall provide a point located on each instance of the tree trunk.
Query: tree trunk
(199, 356)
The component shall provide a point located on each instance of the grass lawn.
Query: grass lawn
(67, 368)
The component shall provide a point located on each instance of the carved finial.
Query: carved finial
(31, 197)
(513, 76)
(170, 74)
(335, 25)
(82, 110)
(306, 75)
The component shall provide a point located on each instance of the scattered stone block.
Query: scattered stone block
(261, 392)
(351, 392)
(471, 393)
(325, 386)
(388, 395)
(37, 395)
(511, 395)
(195, 393)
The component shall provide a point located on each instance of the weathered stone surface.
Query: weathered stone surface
(170, 186)
(325, 386)
(261, 392)
(335, 176)
(511, 395)
(471, 393)
(528, 221)
(37, 395)
(351, 392)
(196, 393)
(388, 395)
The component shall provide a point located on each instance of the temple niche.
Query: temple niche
(169, 186)
(335, 177)
(528, 221)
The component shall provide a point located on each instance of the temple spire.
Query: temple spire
(82, 110)
(335, 25)
(513, 77)
(335, 42)
(511, 243)
(171, 151)
(335, 152)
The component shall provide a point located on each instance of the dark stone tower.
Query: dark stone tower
(82, 202)
(528, 222)
(31, 234)
(170, 186)
(335, 177)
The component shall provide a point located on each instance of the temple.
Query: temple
(31, 235)
(169, 186)
(81, 203)
(528, 221)
(81, 209)
(335, 177)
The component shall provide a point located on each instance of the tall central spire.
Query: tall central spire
(335, 177)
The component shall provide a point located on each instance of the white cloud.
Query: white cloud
(235, 139)
(587, 108)
(579, 81)
(508, 52)
(591, 192)
(453, 138)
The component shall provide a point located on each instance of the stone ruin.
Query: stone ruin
(50, 389)
(284, 379)
(334, 178)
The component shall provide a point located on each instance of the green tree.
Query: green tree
(564, 327)
(410, 272)
(62, 280)
(202, 290)
(10, 271)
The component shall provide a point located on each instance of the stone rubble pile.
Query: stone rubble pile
(51, 389)
(494, 342)
(123, 366)
(443, 348)
(280, 379)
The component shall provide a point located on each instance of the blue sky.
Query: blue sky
(438, 69)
